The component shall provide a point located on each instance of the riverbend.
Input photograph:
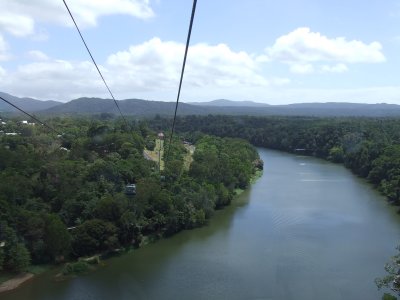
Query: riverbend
(307, 229)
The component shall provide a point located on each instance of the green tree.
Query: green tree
(1, 258)
(392, 279)
(109, 208)
(19, 258)
(56, 237)
(94, 236)
(387, 296)
(129, 231)
(16, 256)
(336, 154)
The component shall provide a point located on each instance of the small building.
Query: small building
(11, 133)
(160, 135)
(24, 122)
(2, 244)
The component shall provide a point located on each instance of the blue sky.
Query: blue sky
(274, 52)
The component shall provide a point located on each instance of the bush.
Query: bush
(387, 296)
(76, 268)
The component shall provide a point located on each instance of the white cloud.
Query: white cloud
(18, 17)
(3, 49)
(301, 68)
(263, 58)
(301, 49)
(338, 68)
(2, 72)
(55, 79)
(279, 81)
(18, 25)
(222, 66)
(153, 66)
(157, 64)
(37, 55)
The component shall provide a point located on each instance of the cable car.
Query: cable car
(130, 189)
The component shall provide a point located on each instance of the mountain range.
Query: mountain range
(139, 107)
(28, 104)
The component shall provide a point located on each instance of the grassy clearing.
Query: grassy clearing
(187, 160)
(157, 153)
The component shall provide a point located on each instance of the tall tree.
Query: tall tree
(56, 237)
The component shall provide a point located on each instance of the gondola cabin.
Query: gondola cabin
(130, 189)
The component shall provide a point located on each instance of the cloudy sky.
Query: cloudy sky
(268, 51)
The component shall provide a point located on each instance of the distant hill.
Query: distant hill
(28, 104)
(138, 107)
(230, 103)
(340, 109)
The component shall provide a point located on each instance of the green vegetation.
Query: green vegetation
(392, 279)
(155, 151)
(75, 268)
(370, 147)
(387, 296)
(62, 198)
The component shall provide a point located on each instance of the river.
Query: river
(307, 229)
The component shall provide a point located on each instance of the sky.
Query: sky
(268, 51)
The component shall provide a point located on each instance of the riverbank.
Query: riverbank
(15, 282)
(302, 231)
(12, 283)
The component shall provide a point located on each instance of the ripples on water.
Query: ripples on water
(305, 230)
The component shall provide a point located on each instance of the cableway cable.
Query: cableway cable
(182, 72)
(94, 62)
(34, 118)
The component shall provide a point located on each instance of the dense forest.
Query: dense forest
(63, 197)
(370, 147)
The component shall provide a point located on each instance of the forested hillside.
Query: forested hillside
(147, 108)
(370, 147)
(62, 197)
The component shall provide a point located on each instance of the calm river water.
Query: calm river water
(307, 229)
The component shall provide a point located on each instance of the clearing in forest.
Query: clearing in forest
(188, 158)
(157, 154)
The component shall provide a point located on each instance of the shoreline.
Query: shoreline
(18, 280)
(15, 282)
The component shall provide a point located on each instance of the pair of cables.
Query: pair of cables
(107, 86)
(181, 77)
